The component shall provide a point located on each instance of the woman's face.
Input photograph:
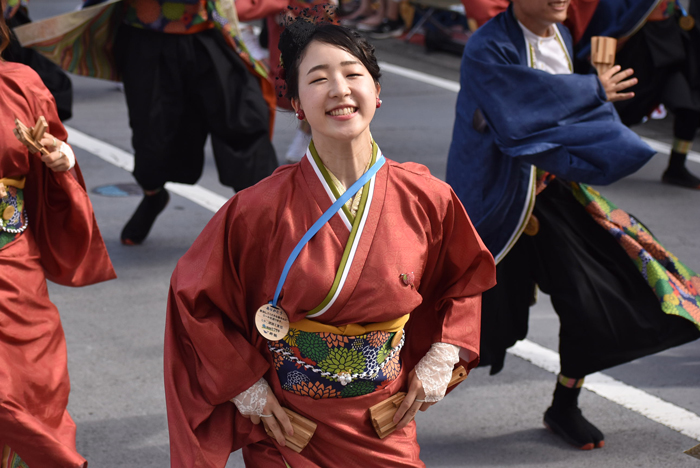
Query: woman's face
(336, 92)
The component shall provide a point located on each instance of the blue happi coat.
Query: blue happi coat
(511, 118)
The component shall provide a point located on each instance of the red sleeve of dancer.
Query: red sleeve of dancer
(61, 218)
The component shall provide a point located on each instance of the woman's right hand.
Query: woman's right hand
(274, 418)
(259, 402)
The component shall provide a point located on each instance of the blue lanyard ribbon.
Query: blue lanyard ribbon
(680, 7)
(320, 222)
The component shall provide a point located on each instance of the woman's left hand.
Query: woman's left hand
(410, 406)
(55, 160)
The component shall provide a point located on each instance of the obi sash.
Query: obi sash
(329, 365)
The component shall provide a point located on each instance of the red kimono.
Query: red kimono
(62, 243)
(213, 352)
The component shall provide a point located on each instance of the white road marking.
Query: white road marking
(420, 76)
(632, 398)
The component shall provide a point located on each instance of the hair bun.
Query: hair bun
(300, 27)
(294, 38)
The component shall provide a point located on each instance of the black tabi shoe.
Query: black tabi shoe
(138, 227)
(564, 419)
(681, 177)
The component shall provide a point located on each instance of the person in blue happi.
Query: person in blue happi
(529, 135)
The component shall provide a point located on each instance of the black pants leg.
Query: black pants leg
(237, 117)
(180, 88)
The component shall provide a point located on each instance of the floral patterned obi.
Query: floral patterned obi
(327, 365)
(13, 218)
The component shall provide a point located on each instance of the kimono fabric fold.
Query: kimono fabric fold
(62, 243)
(415, 224)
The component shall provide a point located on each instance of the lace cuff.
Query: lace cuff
(66, 150)
(253, 400)
(434, 370)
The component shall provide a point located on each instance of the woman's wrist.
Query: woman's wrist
(252, 401)
(67, 151)
(434, 370)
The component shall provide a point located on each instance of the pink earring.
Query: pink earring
(379, 103)
(300, 115)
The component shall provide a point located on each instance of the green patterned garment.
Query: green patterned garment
(676, 285)
(13, 219)
(10, 459)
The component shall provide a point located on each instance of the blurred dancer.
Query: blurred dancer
(184, 82)
(665, 55)
(55, 79)
(47, 231)
(529, 135)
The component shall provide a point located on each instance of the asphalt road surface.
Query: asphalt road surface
(115, 330)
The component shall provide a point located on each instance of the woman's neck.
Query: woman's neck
(346, 160)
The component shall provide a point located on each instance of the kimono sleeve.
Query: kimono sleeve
(459, 269)
(210, 355)
(61, 217)
(560, 123)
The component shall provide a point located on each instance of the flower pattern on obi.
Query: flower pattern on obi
(676, 285)
(13, 219)
(326, 365)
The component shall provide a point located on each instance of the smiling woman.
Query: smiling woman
(366, 276)
(337, 90)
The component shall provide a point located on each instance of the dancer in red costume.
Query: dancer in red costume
(47, 231)
(385, 297)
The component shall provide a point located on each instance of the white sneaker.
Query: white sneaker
(659, 113)
(298, 147)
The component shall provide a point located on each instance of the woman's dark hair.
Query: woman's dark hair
(299, 33)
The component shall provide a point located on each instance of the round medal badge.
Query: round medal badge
(686, 22)
(272, 322)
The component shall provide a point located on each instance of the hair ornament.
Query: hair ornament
(299, 26)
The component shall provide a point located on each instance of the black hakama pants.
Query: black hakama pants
(180, 88)
(608, 314)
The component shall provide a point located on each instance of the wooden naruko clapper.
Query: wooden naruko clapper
(31, 137)
(303, 431)
(603, 53)
(382, 414)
